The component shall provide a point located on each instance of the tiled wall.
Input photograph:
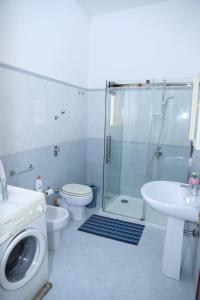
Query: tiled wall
(94, 165)
(95, 140)
(68, 166)
(172, 165)
(25, 139)
(20, 127)
(24, 142)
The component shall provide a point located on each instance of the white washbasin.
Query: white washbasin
(172, 199)
(179, 205)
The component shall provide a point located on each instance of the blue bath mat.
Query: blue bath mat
(113, 229)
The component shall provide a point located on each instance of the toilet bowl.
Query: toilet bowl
(57, 220)
(76, 197)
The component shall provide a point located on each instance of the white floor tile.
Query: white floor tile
(88, 267)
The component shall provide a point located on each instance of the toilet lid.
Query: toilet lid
(76, 189)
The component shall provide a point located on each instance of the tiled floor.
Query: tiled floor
(87, 267)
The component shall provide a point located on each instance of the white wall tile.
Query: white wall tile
(18, 131)
(96, 114)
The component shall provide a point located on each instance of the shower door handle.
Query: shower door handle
(108, 149)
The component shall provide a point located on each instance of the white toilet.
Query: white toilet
(76, 197)
(57, 220)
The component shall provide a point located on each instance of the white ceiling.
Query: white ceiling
(98, 7)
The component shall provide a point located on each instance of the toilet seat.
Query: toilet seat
(77, 190)
(76, 197)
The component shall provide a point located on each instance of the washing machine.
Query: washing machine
(23, 244)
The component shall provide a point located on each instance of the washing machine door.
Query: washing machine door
(22, 259)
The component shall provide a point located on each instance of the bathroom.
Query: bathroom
(100, 93)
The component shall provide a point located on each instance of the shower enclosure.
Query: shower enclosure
(146, 138)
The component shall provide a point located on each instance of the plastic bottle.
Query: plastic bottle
(194, 179)
(39, 186)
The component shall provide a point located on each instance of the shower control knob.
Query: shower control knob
(40, 209)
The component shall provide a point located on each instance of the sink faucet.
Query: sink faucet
(3, 180)
(194, 188)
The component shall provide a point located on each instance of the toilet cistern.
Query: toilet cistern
(3, 180)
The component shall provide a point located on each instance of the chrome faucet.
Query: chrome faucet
(3, 180)
(194, 188)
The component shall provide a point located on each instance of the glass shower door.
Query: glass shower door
(112, 157)
(146, 138)
(127, 137)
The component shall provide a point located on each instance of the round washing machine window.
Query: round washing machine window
(22, 259)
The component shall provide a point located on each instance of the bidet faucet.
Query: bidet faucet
(3, 180)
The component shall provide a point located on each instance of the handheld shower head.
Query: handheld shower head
(170, 98)
(165, 101)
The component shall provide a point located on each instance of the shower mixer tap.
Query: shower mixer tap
(56, 150)
(158, 152)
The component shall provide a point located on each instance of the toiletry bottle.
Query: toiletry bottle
(194, 179)
(39, 186)
(194, 183)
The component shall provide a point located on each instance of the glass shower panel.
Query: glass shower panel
(170, 146)
(113, 136)
(135, 142)
(129, 135)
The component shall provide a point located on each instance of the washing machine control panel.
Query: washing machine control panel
(29, 214)
(12, 225)
(39, 209)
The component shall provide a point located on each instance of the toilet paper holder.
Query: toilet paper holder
(49, 191)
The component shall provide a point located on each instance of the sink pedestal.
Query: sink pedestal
(171, 264)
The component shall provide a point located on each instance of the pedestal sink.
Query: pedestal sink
(176, 201)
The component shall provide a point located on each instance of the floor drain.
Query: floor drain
(124, 201)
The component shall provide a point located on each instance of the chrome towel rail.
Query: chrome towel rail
(13, 172)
